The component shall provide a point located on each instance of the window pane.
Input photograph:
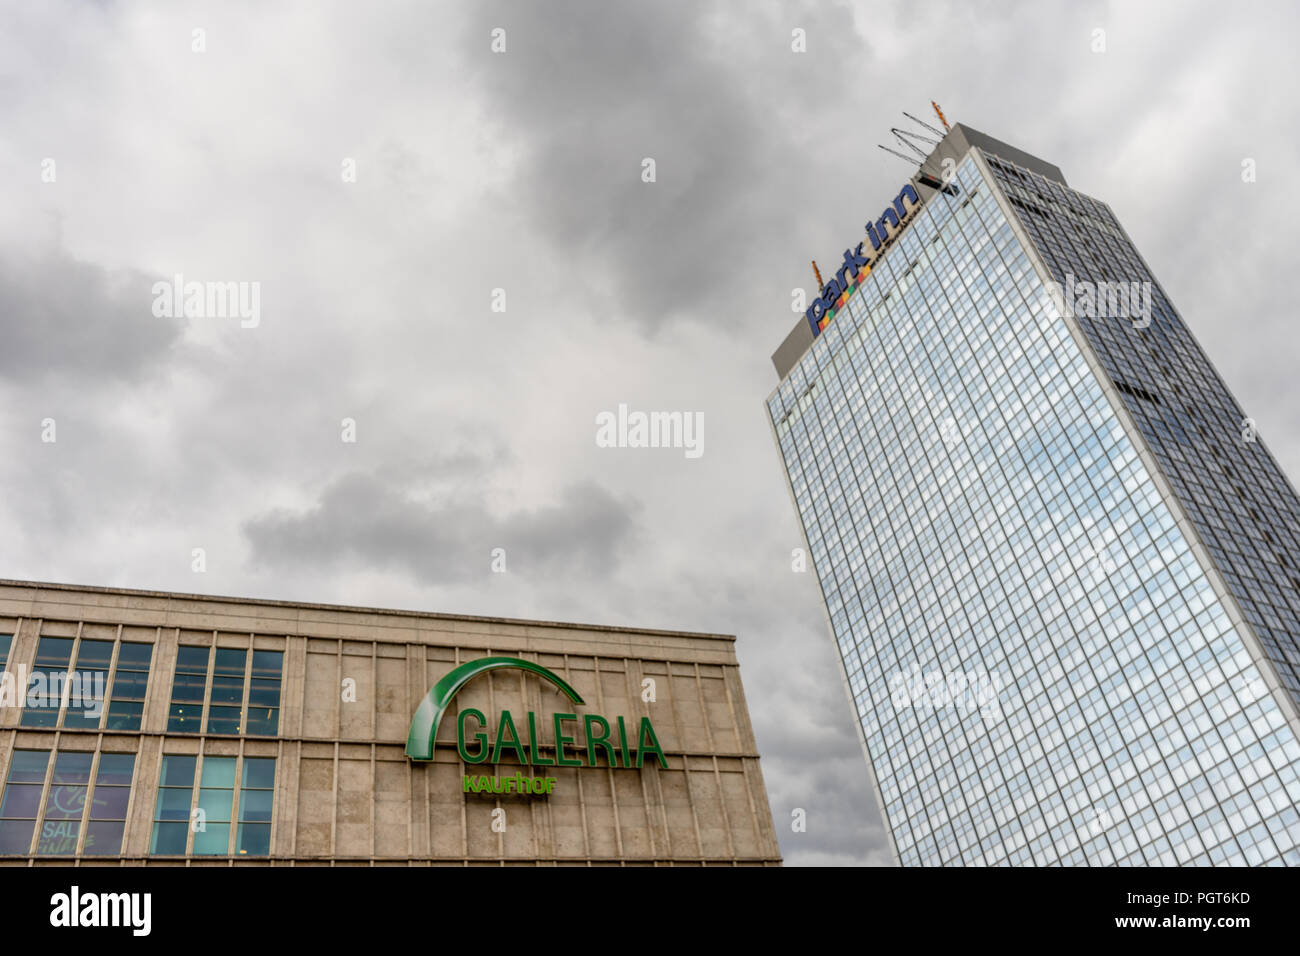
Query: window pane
(255, 806)
(230, 662)
(255, 839)
(115, 769)
(223, 720)
(192, 658)
(16, 835)
(95, 654)
(265, 693)
(21, 800)
(263, 722)
(72, 767)
(104, 837)
(53, 651)
(53, 654)
(110, 803)
(130, 682)
(216, 804)
(85, 701)
(65, 802)
(188, 687)
(259, 773)
(268, 664)
(130, 685)
(174, 803)
(184, 718)
(124, 715)
(28, 766)
(59, 837)
(169, 838)
(178, 771)
(135, 656)
(219, 772)
(89, 684)
(225, 715)
(227, 690)
(214, 840)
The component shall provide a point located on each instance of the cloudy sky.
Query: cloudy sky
(522, 171)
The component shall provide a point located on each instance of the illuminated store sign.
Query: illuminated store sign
(522, 738)
(857, 263)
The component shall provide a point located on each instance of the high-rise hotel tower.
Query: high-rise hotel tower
(1062, 569)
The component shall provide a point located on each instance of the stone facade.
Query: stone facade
(345, 791)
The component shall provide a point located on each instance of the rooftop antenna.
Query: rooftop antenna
(818, 273)
(897, 153)
(910, 138)
(938, 112)
(906, 137)
(920, 122)
(913, 140)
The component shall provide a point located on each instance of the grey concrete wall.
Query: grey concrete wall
(345, 790)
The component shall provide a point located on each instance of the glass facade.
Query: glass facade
(70, 684)
(64, 802)
(199, 819)
(1242, 505)
(53, 655)
(1042, 670)
(129, 684)
(244, 695)
(83, 809)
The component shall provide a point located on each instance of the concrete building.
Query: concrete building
(1061, 568)
(141, 727)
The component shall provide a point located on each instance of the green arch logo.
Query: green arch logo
(424, 725)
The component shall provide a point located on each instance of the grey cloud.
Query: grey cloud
(62, 316)
(362, 518)
(587, 91)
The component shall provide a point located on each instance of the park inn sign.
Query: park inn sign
(859, 262)
(523, 739)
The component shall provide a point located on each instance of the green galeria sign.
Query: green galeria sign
(603, 739)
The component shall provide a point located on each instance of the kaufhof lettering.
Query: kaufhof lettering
(507, 785)
(857, 262)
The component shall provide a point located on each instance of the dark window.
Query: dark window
(171, 816)
(89, 685)
(21, 802)
(226, 709)
(264, 693)
(108, 804)
(188, 689)
(256, 795)
(65, 804)
(129, 684)
(45, 689)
